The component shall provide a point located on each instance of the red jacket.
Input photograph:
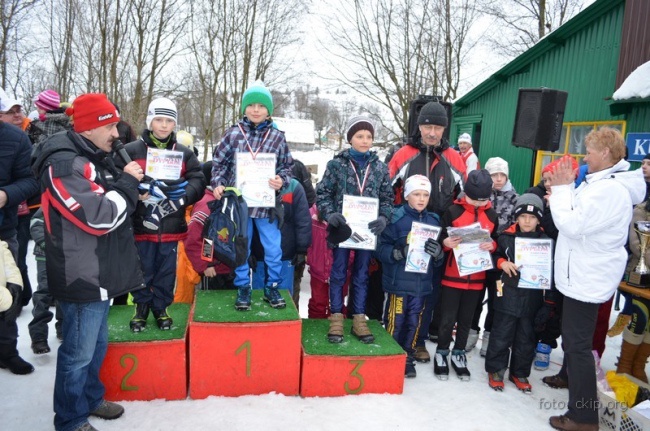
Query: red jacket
(461, 213)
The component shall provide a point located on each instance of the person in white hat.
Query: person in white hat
(467, 153)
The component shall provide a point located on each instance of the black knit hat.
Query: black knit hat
(479, 185)
(433, 113)
(529, 203)
(338, 234)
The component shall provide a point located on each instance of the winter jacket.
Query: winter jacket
(340, 179)
(16, 177)
(87, 203)
(471, 160)
(516, 301)
(262, 138)
(319, 255)
(443, 165)
(303, 176)
(504, 202)
(547, 219)
(458, 215)
(640, 213)
(194, 241)
(593, 222)
(173, 227)
(296, 229)
(50, 123)
(396, 235)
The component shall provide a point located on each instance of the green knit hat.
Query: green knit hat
(257, 93)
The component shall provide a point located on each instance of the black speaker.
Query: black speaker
(538, 122)
(415, 108)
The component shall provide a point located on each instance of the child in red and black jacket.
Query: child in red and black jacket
(461, 293)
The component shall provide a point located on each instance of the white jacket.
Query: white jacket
(593, 222)
(8, 273)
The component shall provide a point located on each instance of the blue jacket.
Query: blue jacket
(394, 278)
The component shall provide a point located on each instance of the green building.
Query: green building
(589, 57)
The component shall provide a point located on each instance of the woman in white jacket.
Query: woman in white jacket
(590, 258)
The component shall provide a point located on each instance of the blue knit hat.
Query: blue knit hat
(257, 93)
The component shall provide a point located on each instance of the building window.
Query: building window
(572, 142)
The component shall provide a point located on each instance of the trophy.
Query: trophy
(640, 277)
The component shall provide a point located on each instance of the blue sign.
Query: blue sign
(638, 145)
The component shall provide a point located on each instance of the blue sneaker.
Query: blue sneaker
(243, 302)
(273, 297)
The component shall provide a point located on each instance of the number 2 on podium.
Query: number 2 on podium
(247, 347)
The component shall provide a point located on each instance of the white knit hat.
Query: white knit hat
(465, 137)
(497, 164)
(161, 107)
(416, 182)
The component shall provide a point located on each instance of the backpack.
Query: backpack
(227, 227)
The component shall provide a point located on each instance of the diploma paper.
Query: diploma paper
(252, 179)
(164, 164)
(417, 260)
(359, 211)
(470, 259)
(534, 258)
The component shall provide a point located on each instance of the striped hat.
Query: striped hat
(161, 107)
(48, 100)
(360, 122)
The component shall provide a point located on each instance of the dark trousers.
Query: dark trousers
(42, 300)
(403, 320)
(511, 332)
(578, 325)
(431, 304)
(491, 289)
(159, 268)
(23, 236)
(457, 306)
(9, 330)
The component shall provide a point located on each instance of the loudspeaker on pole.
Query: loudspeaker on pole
(539, 117)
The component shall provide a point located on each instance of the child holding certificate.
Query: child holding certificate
(462, 286)
(254, 157)
(355, 182)
(515, 305)
(173, 180)
(411, 258)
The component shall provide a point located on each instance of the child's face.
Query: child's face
(475, 202)
(499, 180)
(256, 113)
(418, 199)
(527, 222)
(162, 127)
(362, 141)
(546, 178)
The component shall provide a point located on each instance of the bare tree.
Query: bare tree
(13, 48)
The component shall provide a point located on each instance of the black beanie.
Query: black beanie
(529, 203)
(338, 234)
(479, 185)
(357, 123)
(433, 113)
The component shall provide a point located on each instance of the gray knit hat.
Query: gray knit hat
(529, 203)
(433, 113)
(359, 122)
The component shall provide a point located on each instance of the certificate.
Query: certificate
(470, 259)
(358, 212)
(534, 259)
(252, 179)
(417, 260)
(164, 164)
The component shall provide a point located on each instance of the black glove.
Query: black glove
(544, 315)
(277, 213)
(336, 219)
(11, 314)
(433, 248)
(298, 259)
(378, 226)
(400, 253)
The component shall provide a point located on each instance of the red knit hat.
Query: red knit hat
(551, 166)
(92, 110)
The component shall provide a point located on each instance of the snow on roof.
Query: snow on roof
(635, 85)
(296, 131)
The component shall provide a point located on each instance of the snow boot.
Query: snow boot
(640, 359)
(335, 334)
(243, 302)
(542, 357)
(162, 319)
(273, 297)
(433, 337)
(622, 320)
(472, 339)
(421, 354)
(410, 372)
(40, 347)
(440, 365)
(9, 358)
(139, 320)
(556, 382)
(108, 411)
(521, 383)
(459, 364)
(360, 329)
(495, 380)
(485, 343)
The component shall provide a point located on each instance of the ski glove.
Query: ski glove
(400, 253)
(277, 213)
(544, 315)
(378, 226)
(433, 248)
(336, 219)
(13, 311)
